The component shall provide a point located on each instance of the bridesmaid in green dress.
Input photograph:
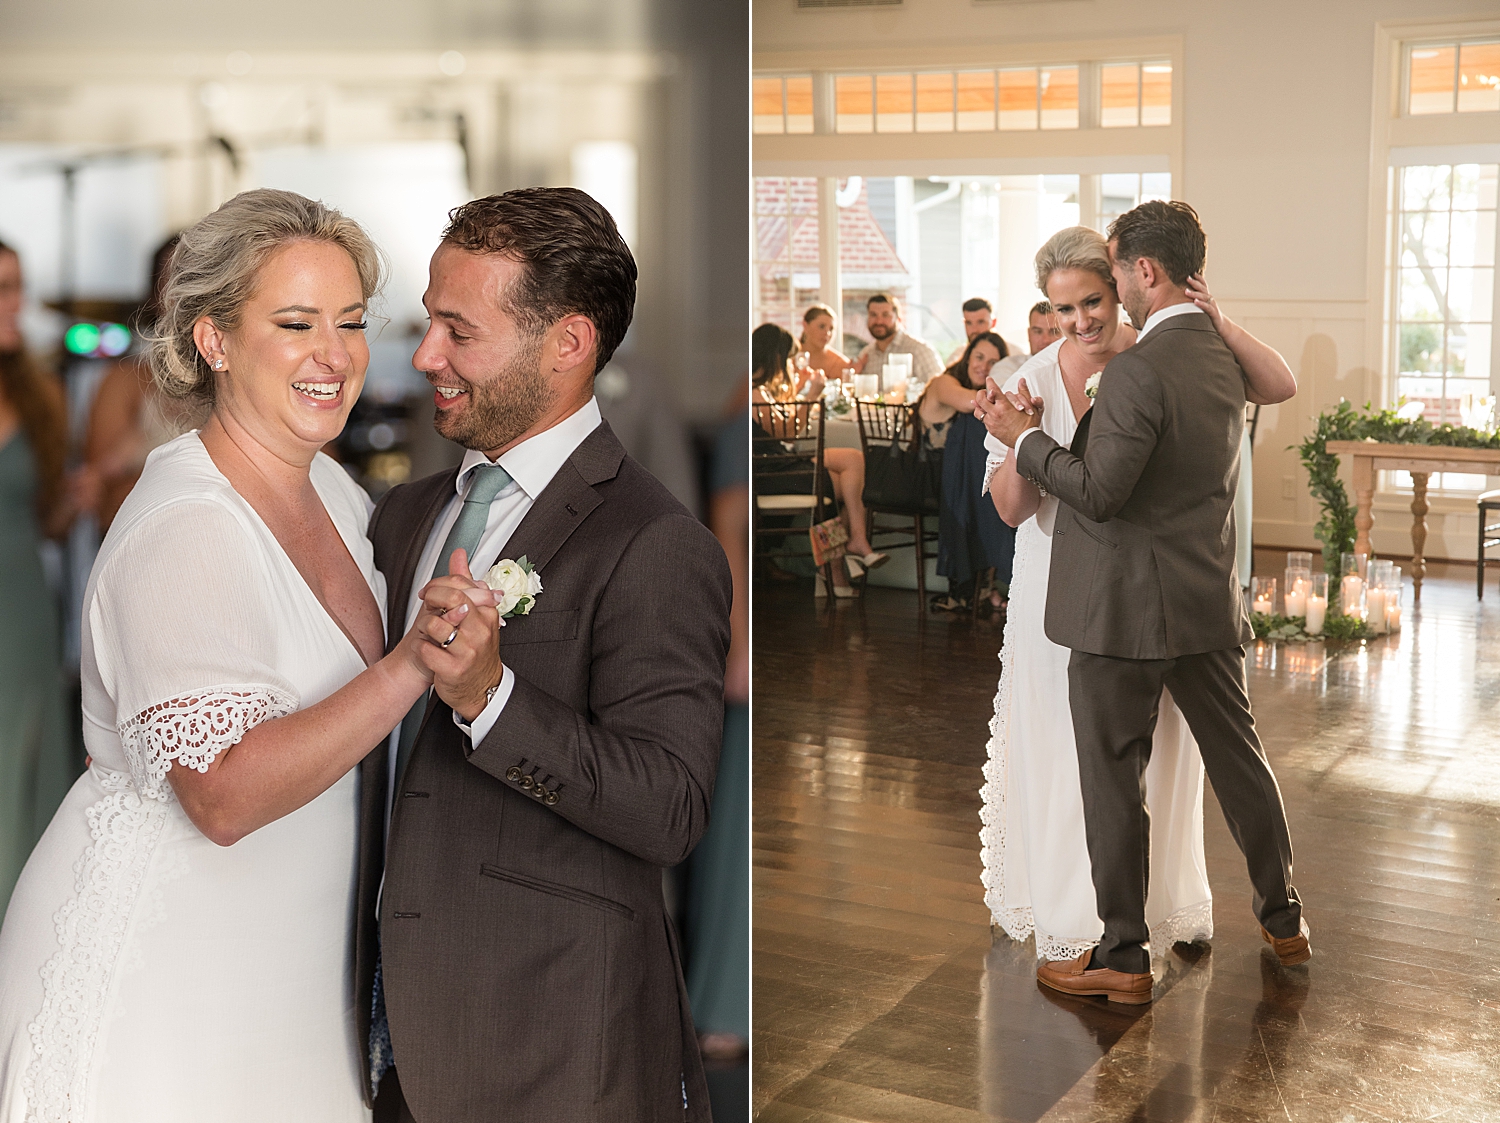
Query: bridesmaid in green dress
(35, 753)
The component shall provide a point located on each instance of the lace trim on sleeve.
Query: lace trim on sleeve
(194, 729)
(992, 464)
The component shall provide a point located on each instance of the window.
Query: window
(782, 104)
(1119, 193)
(1444, 293)
(1132, 94)
(1459, 77)
(786, 248)
(966, 101)
(1026, 98)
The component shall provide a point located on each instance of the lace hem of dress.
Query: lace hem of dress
(1017, 922)
(1192, 924)
(124, 829)
(194, 729)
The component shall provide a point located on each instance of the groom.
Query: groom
(1144, 589)
(514, 960)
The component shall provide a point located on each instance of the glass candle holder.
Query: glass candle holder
(867, 387)
(1393, 600)
(1299, 559)
(1317, 604)
(894, 372)
(1298, 582)
(1352, 584)
(1263, 595)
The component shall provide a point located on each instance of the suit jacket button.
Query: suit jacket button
(513, 774)
(551, 799)
(527, 781)
(540, 792)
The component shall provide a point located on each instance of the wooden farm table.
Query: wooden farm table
(1421, 461)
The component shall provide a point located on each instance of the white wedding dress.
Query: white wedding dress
(1037, 876)
(146, 974)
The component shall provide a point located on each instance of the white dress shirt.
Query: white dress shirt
(1166, 314)
(531, 465)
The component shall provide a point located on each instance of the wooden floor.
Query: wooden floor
(879, 994)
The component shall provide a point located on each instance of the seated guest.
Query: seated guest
(1041, 332)
(969, 541)
(883, 318)
(979, 317)
(817, 335)
(771, 347)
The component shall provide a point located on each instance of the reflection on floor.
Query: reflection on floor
(880, 996)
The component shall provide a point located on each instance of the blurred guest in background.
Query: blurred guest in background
(771, 347)
(129, 417)
(970, 541)
(35, 750)
(979, 317)
(1041, 332)
(645, 421)
(817, 334)
(883, 319)
(718, 889)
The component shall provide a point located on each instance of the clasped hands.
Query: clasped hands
(1007, 416)
(457, 636)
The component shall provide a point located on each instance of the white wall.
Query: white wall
(1276, 155)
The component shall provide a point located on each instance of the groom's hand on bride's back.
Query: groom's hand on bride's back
(463, 627)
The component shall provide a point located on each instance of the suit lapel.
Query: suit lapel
(567, 500)
(1080, 442)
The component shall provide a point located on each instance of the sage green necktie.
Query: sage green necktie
(488, 481)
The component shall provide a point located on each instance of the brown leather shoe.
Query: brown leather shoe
(1292, 950)
(1074, 976)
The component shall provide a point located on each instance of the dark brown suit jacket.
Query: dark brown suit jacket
(529, 968)
(1144, 551)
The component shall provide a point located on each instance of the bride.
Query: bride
(1037, 872)
(177, 949)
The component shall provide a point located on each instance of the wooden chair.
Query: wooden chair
(887, 430)
(787, 476)
(1489, 533)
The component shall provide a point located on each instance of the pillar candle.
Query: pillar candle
(1393, 617)
(1317, 609)
(1375, 609)
(1263, 605)
(1296, 601)
(1349, 590)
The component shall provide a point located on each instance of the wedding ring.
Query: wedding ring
(453, 636)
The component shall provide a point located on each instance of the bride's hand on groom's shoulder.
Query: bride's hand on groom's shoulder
(462, 628)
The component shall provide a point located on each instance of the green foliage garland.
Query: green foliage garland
(1335, 528)
(1337, 627)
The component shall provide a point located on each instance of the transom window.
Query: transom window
(1462, 77)
(1130, 95)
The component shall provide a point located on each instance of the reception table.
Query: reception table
(1421, 461)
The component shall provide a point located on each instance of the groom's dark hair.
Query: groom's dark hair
(574, 260)
(1168, 233)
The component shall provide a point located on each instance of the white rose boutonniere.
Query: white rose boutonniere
(518, 585)
(1091, 387)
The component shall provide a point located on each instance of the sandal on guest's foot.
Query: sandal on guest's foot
(942, 602)
(820, 589)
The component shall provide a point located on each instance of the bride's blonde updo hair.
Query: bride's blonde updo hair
(213, 272)
(1076, 247)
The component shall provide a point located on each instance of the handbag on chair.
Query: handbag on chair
(908, 479)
